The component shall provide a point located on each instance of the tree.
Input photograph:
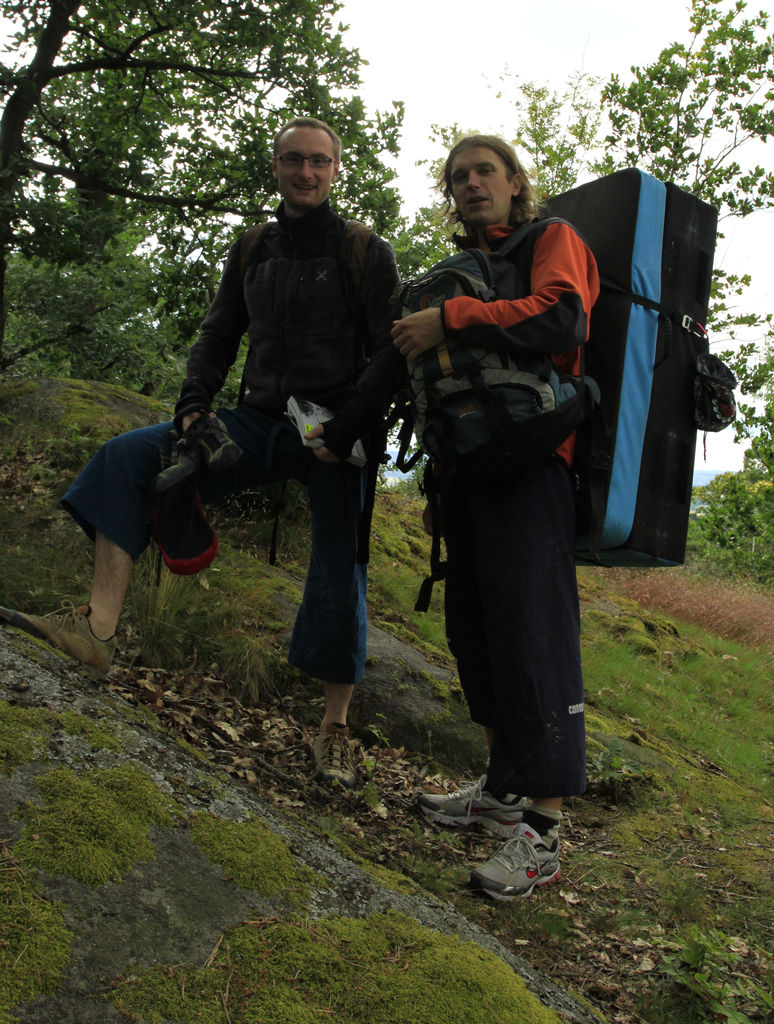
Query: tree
(95, 320)
(734, 524)
(558, 131)
(695, 117)
(162, 115)
(687, 116)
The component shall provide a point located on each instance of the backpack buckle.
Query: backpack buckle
(692, 326)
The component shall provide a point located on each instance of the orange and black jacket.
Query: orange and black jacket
(556, 286)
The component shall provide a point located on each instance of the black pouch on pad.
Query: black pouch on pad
(186, 540)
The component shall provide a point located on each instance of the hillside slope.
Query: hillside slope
(664, 910)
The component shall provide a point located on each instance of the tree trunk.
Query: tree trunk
(30, 83)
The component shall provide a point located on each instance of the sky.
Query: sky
(444, 61)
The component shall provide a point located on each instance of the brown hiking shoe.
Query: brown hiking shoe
(333, 755)
(69, 630)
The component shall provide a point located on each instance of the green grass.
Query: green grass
(400, 560)
(711, 697)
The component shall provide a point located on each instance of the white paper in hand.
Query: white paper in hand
(308, 415)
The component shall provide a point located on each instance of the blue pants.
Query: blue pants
(329, 638)
(513, 624)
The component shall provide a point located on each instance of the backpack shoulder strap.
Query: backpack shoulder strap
(354, 247)
(525, 230)
(431, 489)
(353, 250)
(247, 245)
(250, 239)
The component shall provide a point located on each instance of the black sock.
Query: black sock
(541, 823)
(504, 798)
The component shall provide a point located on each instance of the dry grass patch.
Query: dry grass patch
(733, 611)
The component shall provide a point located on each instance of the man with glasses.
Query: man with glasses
(316, 331)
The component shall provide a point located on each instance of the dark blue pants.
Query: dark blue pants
(329, 637)
(513, 624)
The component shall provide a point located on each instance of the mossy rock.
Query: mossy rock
(52, 408)
(255, 858)
(92, 827)
(24, 734)
(383, 969)
(34, 937)
(142, 864)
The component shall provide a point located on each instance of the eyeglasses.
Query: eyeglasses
(316, 160)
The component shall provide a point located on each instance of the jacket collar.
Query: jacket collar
(311, 223)
(494, 233)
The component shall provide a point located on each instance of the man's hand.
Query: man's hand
(322, 453)
(189, 419)
(418, 332)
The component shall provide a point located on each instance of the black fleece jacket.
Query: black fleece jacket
(310, 335)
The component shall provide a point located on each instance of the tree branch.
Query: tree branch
(30, 85)
(210, 203)
(127, 64)
(134, 45)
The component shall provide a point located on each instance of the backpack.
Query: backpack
(481, 414)
(648, 350)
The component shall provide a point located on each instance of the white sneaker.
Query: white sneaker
(524, 862)
(474, 804)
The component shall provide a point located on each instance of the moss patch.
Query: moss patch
(93, 827)
(255, 858)
(34, 941)
(96, 735)
(381, 970)
(387, 877)
(49, 408)
(24, 733)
